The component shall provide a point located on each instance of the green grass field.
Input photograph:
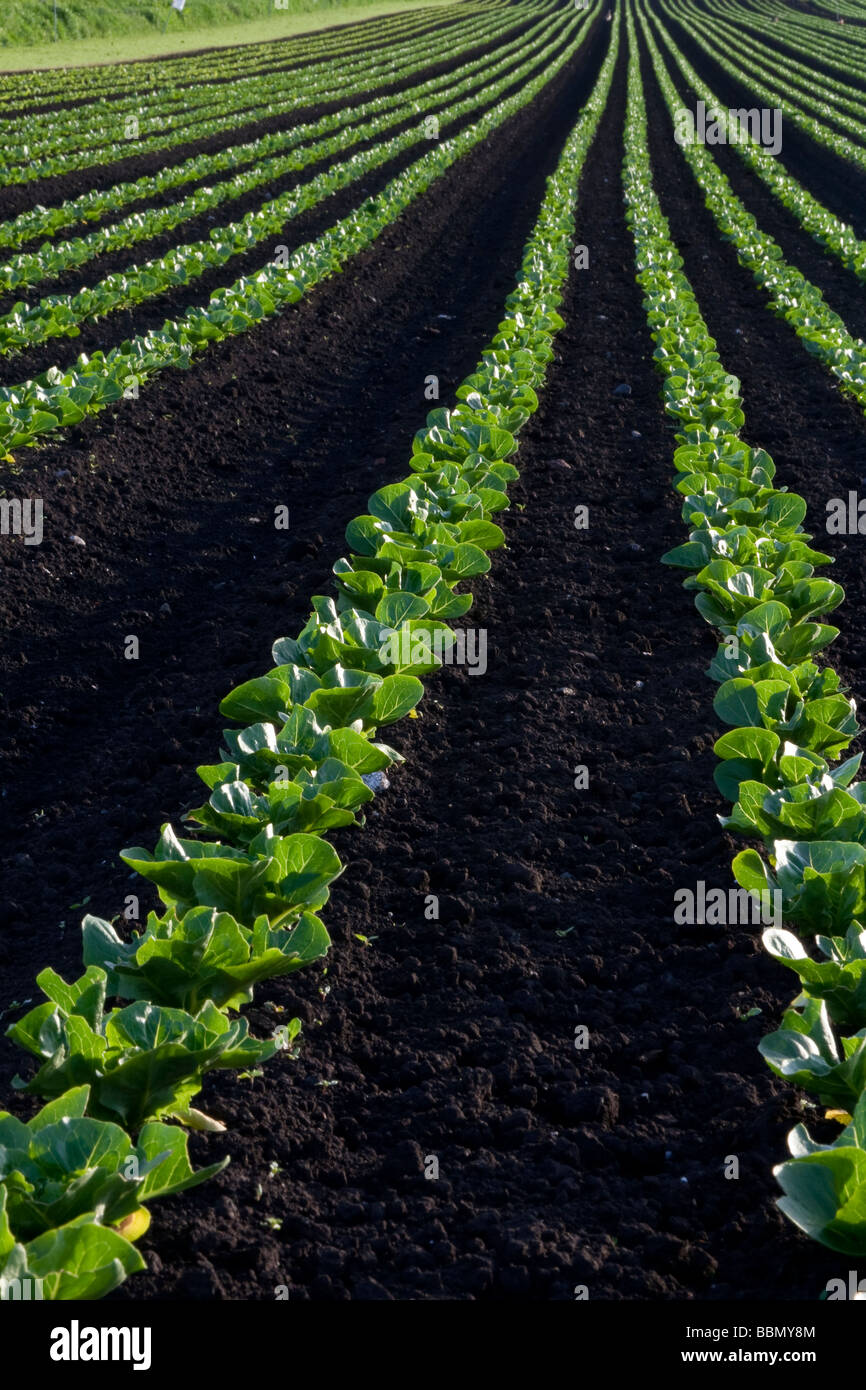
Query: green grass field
(98, 32)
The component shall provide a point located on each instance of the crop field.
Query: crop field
(432, 516)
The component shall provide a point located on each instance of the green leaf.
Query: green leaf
(396, 608)
(81, 1260)
(395, 697)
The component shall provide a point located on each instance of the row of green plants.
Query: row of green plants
(827, 229)
(804, 33)
(241, 901)
(368, 122)
(183, 86)
(816, 128)
(754, 573)
(97, 203)
(60, 315)
(794, 298)
(57, 398)
(54, 135)
(267, 96)
(25, 90)
(806, 83)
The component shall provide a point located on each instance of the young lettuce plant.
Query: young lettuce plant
(339, 698)
(825, 1185)
(80, 1260)
(839, 980)
(63, 1164)
(278, 876)
(806, 1051)
(821, 883)
(264, 753)
(322, 799)
(799, 705)
(760, 755)
(818, 809)
(141, 1062)
(182, 960)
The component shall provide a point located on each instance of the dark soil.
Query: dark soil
(453, 1038)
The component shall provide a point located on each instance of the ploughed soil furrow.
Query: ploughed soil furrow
(842, 289)
(123, 324)
(59, 187)
(174, 495)
(837, 183)
(454, 1039)
(793, 407)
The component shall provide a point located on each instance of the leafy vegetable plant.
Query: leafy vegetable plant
(139, 1063)
(63, 1164)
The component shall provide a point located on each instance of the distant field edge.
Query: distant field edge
(138, 43)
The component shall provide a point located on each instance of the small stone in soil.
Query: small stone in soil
(376, 781)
